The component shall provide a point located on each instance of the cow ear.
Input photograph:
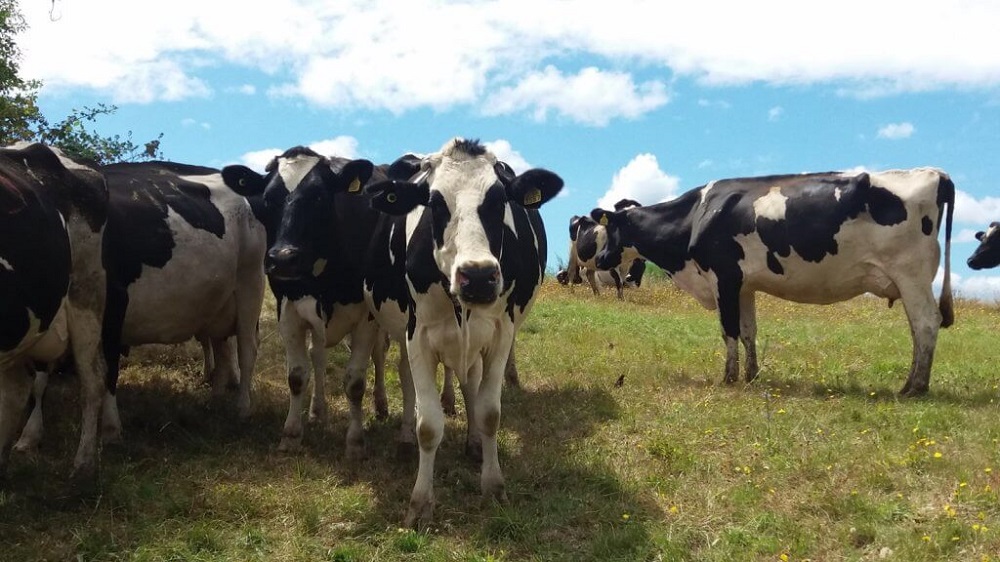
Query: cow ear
(243, 180)
(604, 217)
(405, 167)
(534, 187)
(354, 175)
(397, 197)
(979, 235)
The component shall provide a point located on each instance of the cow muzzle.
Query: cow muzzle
(285, 263)
(477, 283)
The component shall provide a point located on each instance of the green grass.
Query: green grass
(816, 460)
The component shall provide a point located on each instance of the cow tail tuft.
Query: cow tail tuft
(946, 195)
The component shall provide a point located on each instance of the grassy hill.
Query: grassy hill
(818, 459)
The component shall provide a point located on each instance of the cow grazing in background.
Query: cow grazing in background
(52, 284)
(587, 239)
(987, 254)
(184, 258)
(811, 238)
(456, 265)
(317, 236)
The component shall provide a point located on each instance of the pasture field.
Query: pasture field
(816, 460)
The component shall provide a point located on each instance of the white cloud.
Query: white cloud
(343, 146)
(642, 180)
(977, 212)
(504, 151)
(966, 235)
(592, 97)
(427, 53)
(775, 113)
(896, 131)
(191, 122)
(978, 287)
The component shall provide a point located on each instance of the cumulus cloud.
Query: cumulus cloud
(978, 287)
(977, 212)
(343, 146)
(896, 131)
(641, 180)
(504, 151)
(592, 96)
(433, 54)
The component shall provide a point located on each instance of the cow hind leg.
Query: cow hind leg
(362, 339)
(592, 279)
(379, 397)
(729, 317)
(618, 284)
(510, 372)
(224, 374)
(748, 334)
(925, 319)
(448, 393)
(15, 388)
(470, 394)
(31, 435)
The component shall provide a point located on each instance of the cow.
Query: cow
(317, 237)
(454, 268)
(52, 284)
(987, 254)
(587, 238)
(813, 238)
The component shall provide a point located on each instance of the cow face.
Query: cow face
(988, 253)
(295, 202)
(466, 193)
(612, 255)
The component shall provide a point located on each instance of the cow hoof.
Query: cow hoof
(27, 446)
(912, 391)
(419, 515)
(83, 479)
(317, 416)
(112, 437)
(356, 451)
(406, 451)
(381, 411)
(290, 444)
(495, 491)
(512, 379)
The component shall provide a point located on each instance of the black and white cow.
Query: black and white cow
(318, 234)
(987, 254)
(455, 268)
(811, 238)
(587, 238)
(52, 283)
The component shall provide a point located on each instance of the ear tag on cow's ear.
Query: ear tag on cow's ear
(354, 187)
(604, 219)
(533, 196)
(390, 197)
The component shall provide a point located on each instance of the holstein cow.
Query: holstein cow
(52, 283)
(987, 254)
(317, 235)
(456, 267)
(587, 238)
(812, 238)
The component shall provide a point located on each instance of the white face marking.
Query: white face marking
(771, 206)
(6, 264)
(292, 170)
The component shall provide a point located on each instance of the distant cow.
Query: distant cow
(318, 234)
(52, 283)
(812, 238)
(456, 267)
(987, 255)
(587, 238)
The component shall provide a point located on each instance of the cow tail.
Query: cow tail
(946, 196)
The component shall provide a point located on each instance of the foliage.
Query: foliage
(21, 119)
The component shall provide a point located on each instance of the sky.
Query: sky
(631, 98)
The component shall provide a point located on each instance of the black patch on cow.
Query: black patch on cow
(885, 207)
(491, 214)
(470, 147)
(440, 216)
(421, 269)
(385, 278)
(774, 265)
(927, 225)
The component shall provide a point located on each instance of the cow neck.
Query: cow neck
(661, 232)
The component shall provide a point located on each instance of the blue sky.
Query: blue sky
(636, 98)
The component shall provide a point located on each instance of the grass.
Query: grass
(816, 460)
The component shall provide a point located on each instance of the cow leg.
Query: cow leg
(729, 317)
(488, 416)
(448, 393)
(592, 279)
(208, 365)
(406, 447)
(748, 334)
(84, 332)
(249, 300)
(317, 357)
(224, 373)
(15, 388)
(925, 319)
(112, 349)
(111, 422)
(378, 392)
(362, 339)
(618, 283)
(31, 435)
(430, 430)
(293, 335)
(470, 395)
(510, 372)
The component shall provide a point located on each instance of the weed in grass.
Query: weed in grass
(410, 542)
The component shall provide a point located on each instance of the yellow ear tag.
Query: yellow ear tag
(354, 187)
(390, 197)
(604, 220)
(533, 196)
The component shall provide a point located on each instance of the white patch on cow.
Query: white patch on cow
(318, 267)
(704, 191)
(392, 230)
(837, 192)
(698, 284)
(292, 170)
(771, 206)
(6, 264)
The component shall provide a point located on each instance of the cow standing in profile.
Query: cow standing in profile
(455, 268)
(52, 284)
(811, 238)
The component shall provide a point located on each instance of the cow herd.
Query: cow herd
(443, 254)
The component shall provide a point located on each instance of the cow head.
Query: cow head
(617, 249)
(466, 192)
(988, 253)
(295, 202)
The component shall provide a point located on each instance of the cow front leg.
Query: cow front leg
(406, 447)
(448, 393)
(15, 388)
(925, 320)
(362, 340)
(488, 417)
(470, 394)
(31, 435)
(748, 334)
(510, 372)
(729, 317)
(379, 397)
(618, 283)
(430, 430)
(293, 335)
(88, 356)
(317, 358)
(592, 279)
(224, 374)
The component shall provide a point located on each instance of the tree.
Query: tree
(21, 120)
